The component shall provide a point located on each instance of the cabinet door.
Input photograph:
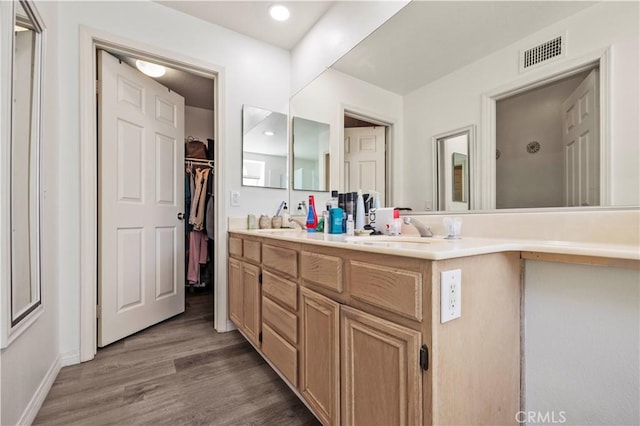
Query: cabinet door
(235, 292)
(251, 302)
(320, 355)
(381, 380)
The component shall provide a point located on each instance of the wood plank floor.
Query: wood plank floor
(179, 372)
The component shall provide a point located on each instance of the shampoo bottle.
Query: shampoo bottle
(350, 225)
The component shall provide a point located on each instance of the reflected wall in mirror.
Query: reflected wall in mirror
(549, 156)
(264, 148)
(311, 158)
(405, 58)
(452, 151)
(25, 163)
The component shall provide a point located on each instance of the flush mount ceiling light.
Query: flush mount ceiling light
(268, 133)
(152, 70)
(279, 12)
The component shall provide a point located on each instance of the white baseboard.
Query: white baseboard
(31, 411)
(70, 358)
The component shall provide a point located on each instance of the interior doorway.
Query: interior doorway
(155, 192)
(365, 155)
(547, 144)
(91, 41)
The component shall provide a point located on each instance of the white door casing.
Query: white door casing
(581, 143)
(141, 192)
(364, 159)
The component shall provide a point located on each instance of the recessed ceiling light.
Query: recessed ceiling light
(268, 133)
(279, 12)
(152, 70)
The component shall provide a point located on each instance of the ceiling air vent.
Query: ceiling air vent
(542, 53)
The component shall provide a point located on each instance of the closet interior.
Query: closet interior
(199, 213)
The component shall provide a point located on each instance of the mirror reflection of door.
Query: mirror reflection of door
(453, 171)
(364, 156)
(547, 141)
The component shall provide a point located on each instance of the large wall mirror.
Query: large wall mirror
(311, 159)
(405, 74)
(24, 164)
(264, 148)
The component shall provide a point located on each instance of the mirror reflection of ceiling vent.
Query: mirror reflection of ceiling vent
(542, 53)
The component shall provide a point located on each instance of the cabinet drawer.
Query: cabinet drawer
(251, 250)
(280, 259)
(281, 290)
(322, 270)
(235, 246)
(281, 354)
(396, 290)
(281, 320)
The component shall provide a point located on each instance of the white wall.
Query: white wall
(325, 99)
(199, 123)
(342, 27)
(532, 180)
(454, 101)
(581, 328)
(30, 363)
(255, 73)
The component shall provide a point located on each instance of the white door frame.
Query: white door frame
(90, 40)
(483, 165)
(391, 129)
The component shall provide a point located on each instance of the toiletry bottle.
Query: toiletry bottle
(312, 217)
(285, 216)
(350, 225)
(360, 211)
(327, 222)
(349, 207)
(335, 220)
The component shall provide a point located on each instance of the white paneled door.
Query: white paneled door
(141, 193)
(364, 159)
(581, 141)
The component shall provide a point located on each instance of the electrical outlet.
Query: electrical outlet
(235, 198)
(450, 295)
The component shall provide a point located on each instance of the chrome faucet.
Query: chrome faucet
(423, 229)
(297, 221)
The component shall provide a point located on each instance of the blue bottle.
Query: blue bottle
(335, 215)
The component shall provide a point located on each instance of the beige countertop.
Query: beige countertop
(438, 248)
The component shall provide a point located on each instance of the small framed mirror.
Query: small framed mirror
(459, 177)
(264, 148)
(452, 152)
(311, 158)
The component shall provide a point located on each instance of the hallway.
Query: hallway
(180, 371)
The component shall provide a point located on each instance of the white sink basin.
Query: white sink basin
(385, 239)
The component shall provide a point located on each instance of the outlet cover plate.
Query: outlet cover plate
(450, 295)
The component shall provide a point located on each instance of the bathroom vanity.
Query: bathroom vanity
(353, 326)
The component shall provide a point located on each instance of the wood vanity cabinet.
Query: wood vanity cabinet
(358, 337)
(244, 288)
(380, 371)
(320, 354)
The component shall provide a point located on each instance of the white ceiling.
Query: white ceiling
(251, 18)
(429, 39)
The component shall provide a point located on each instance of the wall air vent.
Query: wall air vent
(542, 53)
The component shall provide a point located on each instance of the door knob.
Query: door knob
(180, 216)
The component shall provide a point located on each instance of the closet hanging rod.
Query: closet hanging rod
(200, 161)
